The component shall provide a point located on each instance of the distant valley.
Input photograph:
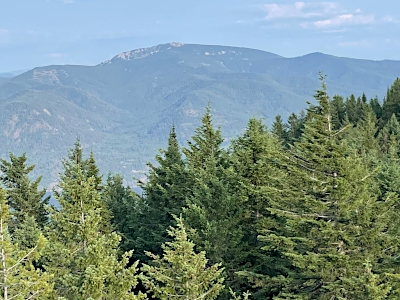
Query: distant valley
(123, 109)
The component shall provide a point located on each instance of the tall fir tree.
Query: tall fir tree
(214, 206)
(338, 111)
(333, 221)
(75, 160)
(389, 138)
(206, 144)
(362, 137)
(295, 127)
(376, 107)
(84, 259)
(25, 197)
(165, 195)
(255, 157)
(126, 209)
(279, 130)
(391, 104)
(351, 109)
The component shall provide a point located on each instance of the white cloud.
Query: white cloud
(389, 19)
(346, 19)
(299, 10)
(3, 31)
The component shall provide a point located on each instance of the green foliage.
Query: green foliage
(75, 161)
(19, 278)
(181, 273)
(295, 127)
(376, 107)
(214, 205)
(389, 138)
(255, 157)
(44, 114)
(338, 111)
(83, 257)
(333, 220)
(279, 129)
(24, 196)
(125, 207)
(308, 210)
(391, 105)
(165, 192)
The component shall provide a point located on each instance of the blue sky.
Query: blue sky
(44, 32)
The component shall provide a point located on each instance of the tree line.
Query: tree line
(308, 209)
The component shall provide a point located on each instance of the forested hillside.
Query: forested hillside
(303, 209)
(123, 108)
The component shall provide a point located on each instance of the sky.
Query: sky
(86, 32)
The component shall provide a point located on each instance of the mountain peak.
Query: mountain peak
(143, 52)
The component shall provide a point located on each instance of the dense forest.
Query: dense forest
(307, 209)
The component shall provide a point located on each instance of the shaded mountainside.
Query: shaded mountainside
(123, 108)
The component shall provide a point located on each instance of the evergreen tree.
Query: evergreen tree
(19, 279)
(93, 171)
(84, 259)
(332, 219)
(255, 157)
(376, 107)
(206, 144)
(165, 195)
(74, 161)
(279, 130)
(295, 127)
(181, 273)
(352, 112)
(389, 138)
(24, 196)
(338, 111)
(391, 104)
(126, 208)
(214, 205)
(362, 137)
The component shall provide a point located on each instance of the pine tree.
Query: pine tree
(332, 219)
(351, 109)
(126, 208)
(93, 171)
(338, 111)
(255, 156)
(74, 161)
(181, 273)
(206, 144)
(19, 279)
(376, 107)
(279, 130)
(391, 104)
(24, 196)
(369, 285)
(165, 195)
(362, 137)
(389, 138)
(295, 127)
(214, 204)
(85, 259)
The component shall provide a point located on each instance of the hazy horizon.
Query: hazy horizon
(87, 32)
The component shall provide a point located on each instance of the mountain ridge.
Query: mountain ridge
(123, 108)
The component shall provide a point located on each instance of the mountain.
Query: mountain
(3, 79)
(123, 108)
